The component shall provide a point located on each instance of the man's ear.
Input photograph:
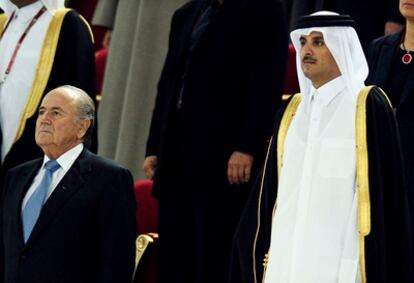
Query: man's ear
(84, 125)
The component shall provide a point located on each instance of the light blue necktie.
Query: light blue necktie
(35, 203)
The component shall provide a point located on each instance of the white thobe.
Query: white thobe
(314, 236)
(15, 90)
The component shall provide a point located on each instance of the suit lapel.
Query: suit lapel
(67, 187)
(19, 191)
(386, 58)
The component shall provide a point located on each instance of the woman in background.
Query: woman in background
(391, 64)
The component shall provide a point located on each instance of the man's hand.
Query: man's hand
(239, 168)
(150, 164)
(107, 39)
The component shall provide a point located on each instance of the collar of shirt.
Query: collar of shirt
(67, 159)
(25, 14)
(326, 93)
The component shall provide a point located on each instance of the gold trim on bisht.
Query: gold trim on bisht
(89, 28)
(44, 68)
(258, 212)
(284, 126)
(3, 19)
(364, 205)
(364, 208)
(281, 135)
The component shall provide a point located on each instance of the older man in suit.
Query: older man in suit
(43, 45)
(69, 216)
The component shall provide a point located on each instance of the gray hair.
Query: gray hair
(85, 110)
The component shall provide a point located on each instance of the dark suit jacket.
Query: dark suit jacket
(85, 232)
(380, 58)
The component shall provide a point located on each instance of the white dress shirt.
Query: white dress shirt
(65, 161)
(15, 90)
(314, 236)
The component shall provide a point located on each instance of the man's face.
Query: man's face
(407, 8)
(317, 62)
(57, 129)
(22, 3)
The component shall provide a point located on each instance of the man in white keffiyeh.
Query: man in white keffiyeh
(331, 71)
(331, 205)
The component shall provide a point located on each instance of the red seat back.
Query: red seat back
(100, 63)
(291, 79)
(147, 207)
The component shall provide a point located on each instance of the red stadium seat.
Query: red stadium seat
(147, 207)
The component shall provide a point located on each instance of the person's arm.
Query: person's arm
(117, 230)
(150, 164)
(239, 168)
(169, 68)
(106, 41)
(266, 57)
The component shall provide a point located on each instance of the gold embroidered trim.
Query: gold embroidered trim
(3, 19)
(258, 210)
(364, 207)
(284, 126)
(89, 28)
(44, 68)
(281, 135)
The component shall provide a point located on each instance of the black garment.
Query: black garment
(232, 87)
(396, 83)
(388, 247)
(381, 58)
(74, 64)
(85, 232)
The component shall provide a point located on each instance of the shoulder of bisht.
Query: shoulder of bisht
(362, 171)
(364, 206)
(44, 68)
(284, 126)
(3, 19)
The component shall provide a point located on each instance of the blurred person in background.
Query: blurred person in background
(391, 64)
(219, 89)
